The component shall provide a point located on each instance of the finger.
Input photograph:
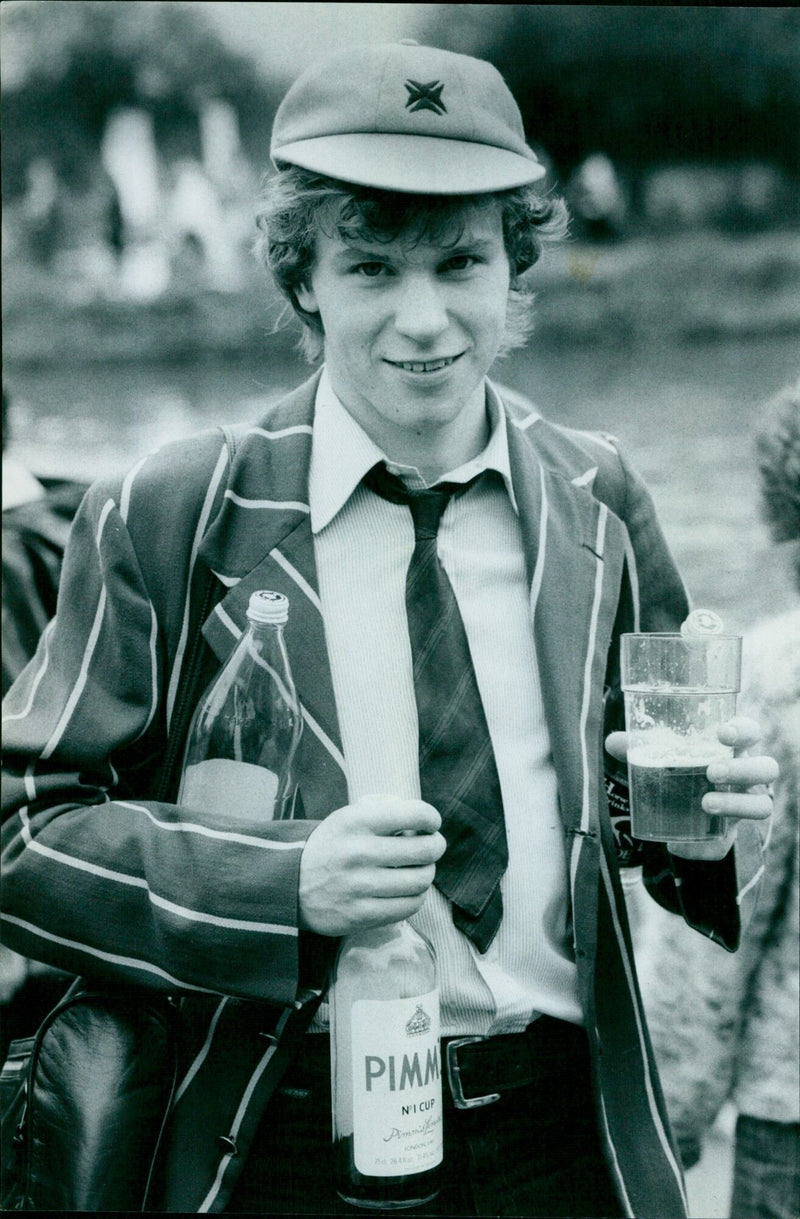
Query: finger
(354, 891)
(744, 772)
(416, 851)
(741, 731)
(385, 814)
(617, 745)
(748, 806)
(385, 883)
(380, 912)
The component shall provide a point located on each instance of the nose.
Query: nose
(421, 312)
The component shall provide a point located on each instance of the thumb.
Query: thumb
(617, 745)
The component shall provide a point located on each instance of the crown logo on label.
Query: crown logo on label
(425, 96)
(419, 1023)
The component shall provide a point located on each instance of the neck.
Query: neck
(432, 448)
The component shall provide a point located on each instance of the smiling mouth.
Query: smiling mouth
(424, 366)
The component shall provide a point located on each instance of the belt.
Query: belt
(479, 1070)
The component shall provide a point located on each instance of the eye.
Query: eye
(370, 270)
(460, 262)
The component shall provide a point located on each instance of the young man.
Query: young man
(399, 223)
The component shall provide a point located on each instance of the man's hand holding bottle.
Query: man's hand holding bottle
(369, 864)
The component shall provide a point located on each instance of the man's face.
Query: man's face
(411, 329)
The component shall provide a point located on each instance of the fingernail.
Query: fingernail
(712, 805)
(717, 772)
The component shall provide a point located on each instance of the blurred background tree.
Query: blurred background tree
(68, 66)
(646, 84)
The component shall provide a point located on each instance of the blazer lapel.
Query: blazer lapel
(262, 539)
(575, 550)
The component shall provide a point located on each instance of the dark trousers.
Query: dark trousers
(766, 1183)
(535, 1152)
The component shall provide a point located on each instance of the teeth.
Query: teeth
(424, 366)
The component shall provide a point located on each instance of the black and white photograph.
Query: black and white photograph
(400, 609)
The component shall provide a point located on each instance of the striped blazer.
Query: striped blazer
(101, 879)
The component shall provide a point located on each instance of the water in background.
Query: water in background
(686, 415)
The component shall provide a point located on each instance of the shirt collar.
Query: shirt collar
(342, 453)
(19, 485)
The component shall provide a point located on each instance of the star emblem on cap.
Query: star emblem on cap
(425, 96)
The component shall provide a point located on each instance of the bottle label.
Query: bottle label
(629, 849)
(397, 1085)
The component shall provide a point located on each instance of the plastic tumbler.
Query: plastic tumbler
(678, 691)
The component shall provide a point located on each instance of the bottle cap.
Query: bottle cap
(266, 606)
(700, 624)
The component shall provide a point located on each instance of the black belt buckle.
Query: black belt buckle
(454, 1076)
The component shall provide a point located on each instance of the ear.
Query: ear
(306, 298)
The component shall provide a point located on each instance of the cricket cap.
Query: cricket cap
(406, 118)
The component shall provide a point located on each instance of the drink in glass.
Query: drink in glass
(678, 691)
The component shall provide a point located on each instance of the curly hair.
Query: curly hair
(778, 456)
(297, 204)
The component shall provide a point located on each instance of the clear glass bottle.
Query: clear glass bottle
(386, 1084)
(243, 738)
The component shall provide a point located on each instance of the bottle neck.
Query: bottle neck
(265, 630)
(265, 638)
(267, 649)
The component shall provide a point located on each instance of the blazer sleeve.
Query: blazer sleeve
(717, 899)
(99, 879)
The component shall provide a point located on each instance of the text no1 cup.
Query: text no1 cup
(678, 692)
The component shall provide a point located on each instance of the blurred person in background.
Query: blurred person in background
(36, 519)
(596, 198)
(37, 514)
(726, 1029)
(399, 224)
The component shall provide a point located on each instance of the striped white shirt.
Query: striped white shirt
(363, 546)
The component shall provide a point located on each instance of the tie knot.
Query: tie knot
(426, 506)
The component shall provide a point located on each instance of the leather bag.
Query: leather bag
(85, 1102)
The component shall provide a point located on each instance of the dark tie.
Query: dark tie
(457, 770)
